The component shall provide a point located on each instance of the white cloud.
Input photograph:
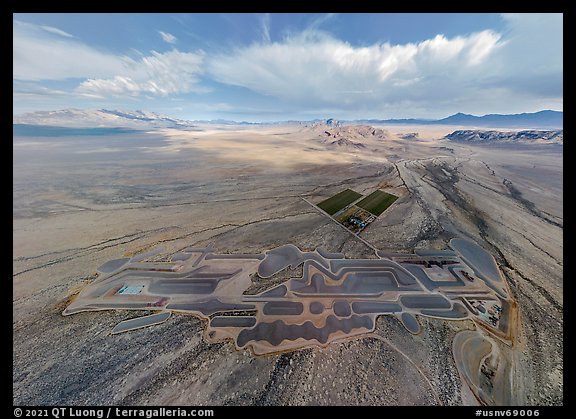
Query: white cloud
(265, 24)
(518, 69)
(34, 89)
(43, 55)
(314, 66)
(534, 52)
(51, 56)
(56, 31)
(318, 22)
(168, 37)
(158, 74)
(478, 72)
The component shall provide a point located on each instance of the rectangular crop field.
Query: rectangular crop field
(335, 203)
(377, 202)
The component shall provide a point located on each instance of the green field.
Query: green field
(335, 203)
(377, 202)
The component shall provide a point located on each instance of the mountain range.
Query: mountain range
(542, 119)
(528, 136)
(78, 118)
(101, 118)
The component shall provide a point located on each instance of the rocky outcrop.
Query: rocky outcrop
(343, 142)
(350, 136)
(529, 136)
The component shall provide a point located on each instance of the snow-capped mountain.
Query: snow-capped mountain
(80, 118)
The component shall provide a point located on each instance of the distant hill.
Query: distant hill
(101, 118)
(404, 121)
(536, 120)
(333, 135)
(531, 136)
(542, 119)
(79, 118)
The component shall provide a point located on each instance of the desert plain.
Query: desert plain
(80, 201)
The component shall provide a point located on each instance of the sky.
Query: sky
(277, 67)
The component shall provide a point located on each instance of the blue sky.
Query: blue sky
(268, 67)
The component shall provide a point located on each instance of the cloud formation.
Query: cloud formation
(41, 54)
(313, 71)
(168, 37)
(56, 31)
(265, 24)
(158, 74)
(317, 69)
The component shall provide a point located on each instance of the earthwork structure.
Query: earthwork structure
(334, 299)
